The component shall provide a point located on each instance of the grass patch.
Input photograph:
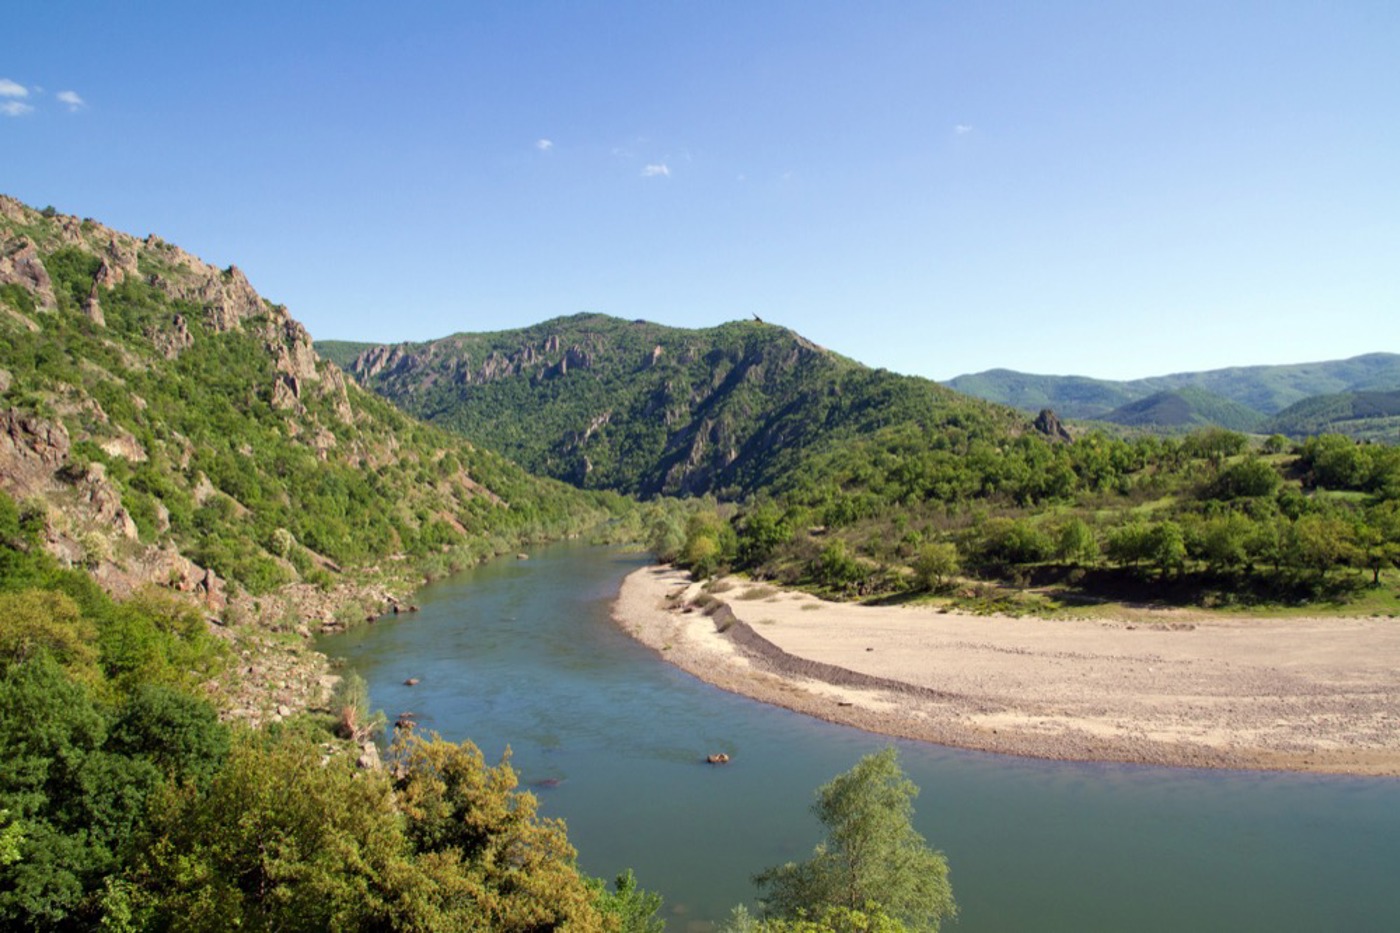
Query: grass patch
(758, 592)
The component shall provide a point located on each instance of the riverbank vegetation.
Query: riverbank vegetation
(1209, 520)
(128, 804)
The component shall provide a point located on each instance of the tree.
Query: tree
(1248, 478)
(936, 564)
(872, 860)
(1076, 543)
(630, 908)
(1166, 547)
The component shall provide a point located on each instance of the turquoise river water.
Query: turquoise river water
(524, 654)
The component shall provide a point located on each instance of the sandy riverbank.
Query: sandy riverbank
(1160, 687)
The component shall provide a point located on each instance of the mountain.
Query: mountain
(641, 408)
(1373, 416)
(1069, 396)
(173, 427)
(1265, 389)
(1184, 410)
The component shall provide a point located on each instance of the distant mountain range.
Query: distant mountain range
(1286, 399)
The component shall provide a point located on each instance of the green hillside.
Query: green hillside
(1185, 409)
(175, 426)
(341, 352)
(1069, 396)
(1372, 416)
(646, 409)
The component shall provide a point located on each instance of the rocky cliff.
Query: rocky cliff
(167, 426)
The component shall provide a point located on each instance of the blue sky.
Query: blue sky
(1109, 189)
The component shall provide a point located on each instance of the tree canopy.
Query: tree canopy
(872, 859)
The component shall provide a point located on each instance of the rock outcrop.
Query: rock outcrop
(1049, 424)
(20, 265)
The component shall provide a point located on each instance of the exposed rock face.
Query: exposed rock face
(92, 307)
(124, 445)
(171, 341)
(547, 360)
(20, 265)
(32, 449)
(1048, 423)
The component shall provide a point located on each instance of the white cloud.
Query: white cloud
(15, 108)
(544, 145)
(10, 88)
(962, 129)
(660, 170)
(72, 99)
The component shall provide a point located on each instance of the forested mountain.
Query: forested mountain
(647, 409)
(1264, 389)
(1185, 409)
(1372, 416)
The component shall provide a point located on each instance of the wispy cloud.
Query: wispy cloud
(658, 170)
(544, 145)
(14, 98)
(962, 129)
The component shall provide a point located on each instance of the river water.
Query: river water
(524, 654)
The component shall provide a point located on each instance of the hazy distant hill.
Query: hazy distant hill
(1069, 396)
(638, 407)
(1264, 389)
(1186, 409)
(1366, 415)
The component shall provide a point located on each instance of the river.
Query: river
(524, 654)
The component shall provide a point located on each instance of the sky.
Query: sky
(1107, 189)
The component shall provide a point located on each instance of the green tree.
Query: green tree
(629, 908)
(872, 857)
(936, 564)
(11, 835)
(1249, 478)
(1076, 543)
(839, 569)
(1166, 547)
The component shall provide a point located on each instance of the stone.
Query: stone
(1048, 423)
(20, 265)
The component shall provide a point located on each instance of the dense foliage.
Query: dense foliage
(1371, 416)
(873, 872)
(646, 409)
(1203, 519)
(126, 804)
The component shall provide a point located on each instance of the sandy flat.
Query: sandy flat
(1160, 687)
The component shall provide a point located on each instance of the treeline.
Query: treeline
(1210, 517)
(126, 804)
